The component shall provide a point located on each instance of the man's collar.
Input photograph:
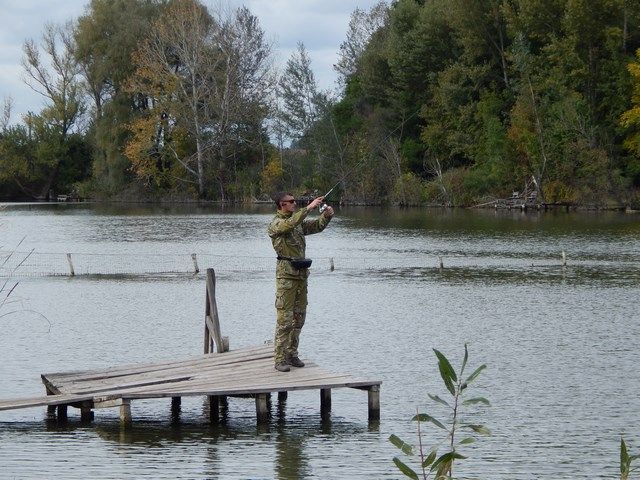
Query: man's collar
(283, 214)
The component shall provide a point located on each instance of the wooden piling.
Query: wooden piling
(262, 408)
(195, 263)
(125, 414)
(325, 402)
(61, 414)
(214, 409)
(176, 402)
(282, 396)
(86, 414)
(374, 402)
(440, 264)
(332, 267)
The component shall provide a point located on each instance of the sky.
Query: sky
(320, 24)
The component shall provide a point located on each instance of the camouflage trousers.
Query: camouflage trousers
(291, 306)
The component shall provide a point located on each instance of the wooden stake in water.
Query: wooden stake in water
(440, 264)
(331, 265)
(195, 263)
(71, 272)
(564, 259)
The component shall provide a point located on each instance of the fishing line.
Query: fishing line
(367, 157)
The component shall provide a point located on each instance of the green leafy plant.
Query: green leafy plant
(625, 461)
(430, 463)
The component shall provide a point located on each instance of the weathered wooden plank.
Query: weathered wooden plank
(99, 403)
(246, 390)
(168, 373)
(251, 377)
(42, 401)
(236, 379)
(211, 357)
(235, 355)
(331, 381)
(167, 376)
(103, 401)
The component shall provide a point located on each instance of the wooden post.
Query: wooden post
(331, 265)
(175, 404)
(374, 402)
(125, 413)
(207, 336)
(86, 414)
(262, 408)
(62, 413)
(195, 263)
(440, 264)
(71, 272)
(564, 259)
(282, 396)
(212, 321)
(51, 409)
(214, 409)
(325, 402)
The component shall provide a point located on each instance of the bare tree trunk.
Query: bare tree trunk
(539, 174)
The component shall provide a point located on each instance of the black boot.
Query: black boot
(282, 367)
(295, 362)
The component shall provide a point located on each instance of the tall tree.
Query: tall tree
(106, 35)
(56, 79)
(362, 25)
(208, 76)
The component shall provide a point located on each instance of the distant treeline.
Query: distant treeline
(452, 102)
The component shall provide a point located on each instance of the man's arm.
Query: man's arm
(281, 226)
(319, 224)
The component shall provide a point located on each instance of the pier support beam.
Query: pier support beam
(175, 404)
(125, 414)
(325, 402)
(282, 396)
(61, 414)
(262, 407)
(374, 402)
(214, 409)
(86, 414)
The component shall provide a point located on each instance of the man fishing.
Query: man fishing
(287, 231)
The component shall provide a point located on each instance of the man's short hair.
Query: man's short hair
(278, 197)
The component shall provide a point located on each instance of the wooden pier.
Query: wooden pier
(247, 372)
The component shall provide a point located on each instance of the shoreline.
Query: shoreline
(543, 207)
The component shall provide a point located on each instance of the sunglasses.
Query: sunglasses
(289, 201)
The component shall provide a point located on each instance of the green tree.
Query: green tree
(105, 38)
(204, 77)
(56, 78)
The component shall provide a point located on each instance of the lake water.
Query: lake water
(560, 344)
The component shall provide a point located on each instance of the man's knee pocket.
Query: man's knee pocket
(285, 294)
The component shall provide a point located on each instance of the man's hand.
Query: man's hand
(328, 212)
(314, 203)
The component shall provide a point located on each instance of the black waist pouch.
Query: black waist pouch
(298, 263)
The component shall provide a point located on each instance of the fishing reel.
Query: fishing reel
(323, 207)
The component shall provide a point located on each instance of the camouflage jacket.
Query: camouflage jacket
(287, 233)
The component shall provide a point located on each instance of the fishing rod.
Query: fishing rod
(352, 169)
